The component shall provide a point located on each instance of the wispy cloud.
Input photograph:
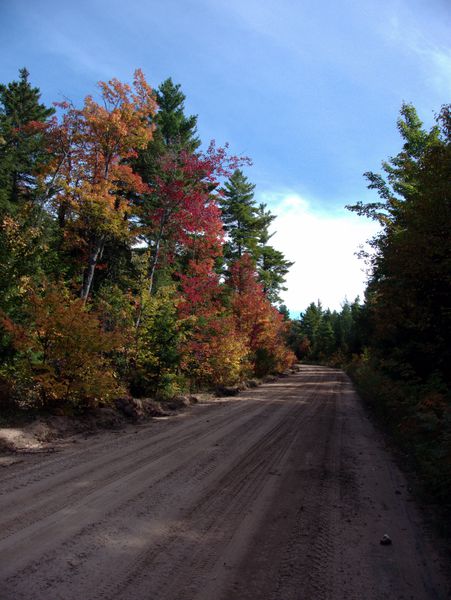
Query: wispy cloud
(438, 63)
(414, 35)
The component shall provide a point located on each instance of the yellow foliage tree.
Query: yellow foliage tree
(64, 349)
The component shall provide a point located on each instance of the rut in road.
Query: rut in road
(280, 494)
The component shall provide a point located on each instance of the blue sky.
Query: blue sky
(309, 89)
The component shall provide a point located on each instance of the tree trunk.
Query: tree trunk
(152, 268)
(96, 253)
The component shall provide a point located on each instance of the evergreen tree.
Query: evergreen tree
(174, 131)
(272, 266)
(22, 151)
(401, 173)
(328, 336)
(408, 297)
(325, 341)
(405, 370)
(343, 325)
(310, 321)
(173, 128)
(26, 229)
(283, 309)
(247, 228)
(120, 171)
(239, 214)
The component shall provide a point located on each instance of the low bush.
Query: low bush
(62, 352)
(418, 416)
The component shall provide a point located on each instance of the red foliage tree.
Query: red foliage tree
(181, 210)
(260, 323)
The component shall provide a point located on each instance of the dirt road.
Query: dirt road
(280, 494)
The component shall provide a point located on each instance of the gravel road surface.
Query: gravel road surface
(282, 493)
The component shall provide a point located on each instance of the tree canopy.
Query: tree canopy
(111, 234)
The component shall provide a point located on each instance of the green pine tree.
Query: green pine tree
(240, 217)
(408, 296)
(247, 228)
(26, 228)
(174, 131)
(22, 150)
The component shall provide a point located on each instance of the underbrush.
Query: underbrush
(417, 415)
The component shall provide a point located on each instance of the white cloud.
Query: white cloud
(323, 246)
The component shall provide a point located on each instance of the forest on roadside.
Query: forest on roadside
(132, 261)
(396, 345)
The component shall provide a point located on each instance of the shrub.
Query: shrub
(62, 351)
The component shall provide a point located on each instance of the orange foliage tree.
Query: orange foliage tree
(90, 182)
(64, 349)
(260, 323)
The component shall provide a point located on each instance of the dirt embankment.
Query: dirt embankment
(283, 492)
(49, 433)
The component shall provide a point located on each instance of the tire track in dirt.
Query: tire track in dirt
(74, 483)
(321, 540)
(187, 567)
(106, 496)
(236, 430)
(302, 500)
(280, 495)
(74, 461)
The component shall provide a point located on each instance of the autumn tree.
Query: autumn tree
(261, 324)
(91, 182)
(62, 351)
(214, 352)
(180, 223)
(111, 239)
(161, 165)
